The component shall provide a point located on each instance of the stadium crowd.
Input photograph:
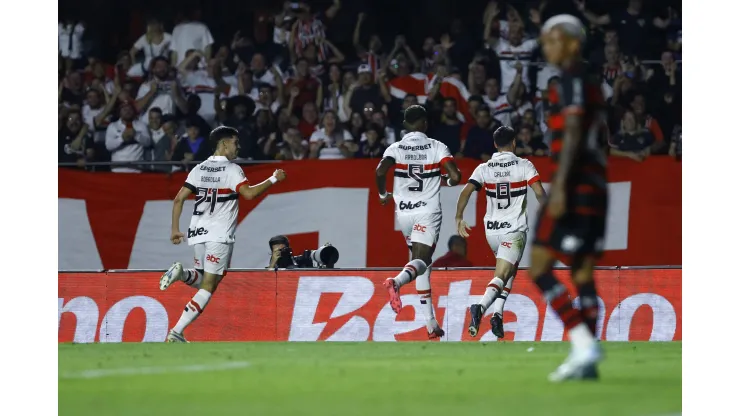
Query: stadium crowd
(330, 81)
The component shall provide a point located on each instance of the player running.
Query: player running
(505, 178)
(571, 226)
(217, 184)
(418, 160)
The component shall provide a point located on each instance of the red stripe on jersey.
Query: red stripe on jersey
(223, 191)
(426, 167)
(244, 182)
(491, 186)
(556, 146)
(443, 161)
(556, 122)
(518, 184)
(533, 180)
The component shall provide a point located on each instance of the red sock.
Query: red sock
(557, 295)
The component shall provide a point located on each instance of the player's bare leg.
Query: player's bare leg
(191, 277)
(504, 271)
(195, 307)
(585, 352)
(497, 320)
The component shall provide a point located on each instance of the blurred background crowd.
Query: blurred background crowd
(143, 82)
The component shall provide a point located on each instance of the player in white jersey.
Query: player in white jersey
(216, 184)
(417, 160)
(505, 179)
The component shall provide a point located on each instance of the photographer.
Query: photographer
(282, 256)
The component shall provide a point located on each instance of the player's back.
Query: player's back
(505, 179)
(417, 175)
(215, 183)
(579, 92)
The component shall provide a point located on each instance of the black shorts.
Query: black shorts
(571, 236)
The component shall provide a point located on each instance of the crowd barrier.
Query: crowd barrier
(350, 305)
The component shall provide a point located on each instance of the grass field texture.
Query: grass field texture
(430, 378)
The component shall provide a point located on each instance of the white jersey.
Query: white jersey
(508, 55)
(215, 183)
(505, 179)
(417, 175)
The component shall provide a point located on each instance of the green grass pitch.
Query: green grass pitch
(640, 379)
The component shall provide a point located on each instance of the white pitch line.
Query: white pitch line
(137, 371)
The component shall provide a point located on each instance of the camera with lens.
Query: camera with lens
(325, 257)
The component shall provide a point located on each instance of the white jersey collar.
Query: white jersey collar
(218, 159)
(415, 135)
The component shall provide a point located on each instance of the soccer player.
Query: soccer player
(505, 178)
(571, 227)
(217, 184)
(417, 160)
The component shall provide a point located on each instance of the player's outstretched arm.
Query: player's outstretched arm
(176, 236)
(251, 192)
(539, 192)
(380, 173)
(453, 173)
(462, 202)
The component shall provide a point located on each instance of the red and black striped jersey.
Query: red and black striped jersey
(579, 94)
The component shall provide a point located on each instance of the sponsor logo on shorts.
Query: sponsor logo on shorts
(506, 244)
(495, 225)
(410, 205)
(420, 228)
(213, 259)
(197, 232)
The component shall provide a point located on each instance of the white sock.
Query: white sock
(424, 289)
(192, 310)
(581, 336)
(410, 271)
(192, 277)
(493, 289)
(498, 304)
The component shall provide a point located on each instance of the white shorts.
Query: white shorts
(509, 247)
(421, 228)
(213, 258)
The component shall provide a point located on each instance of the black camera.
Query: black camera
(324, 257)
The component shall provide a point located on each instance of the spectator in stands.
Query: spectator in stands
(309, 120)
(162, 143)
(331, 140)
(515, 56)
(292, 147)
(638, 107)
(401, 60)
(633, 140)
(310, 27)
(449, 128)
(190, 34)
(389, 134)
(161, 91)
(500, 104)
(356, 126)
(309, 88)
(75, 141)
(71, 92)
(155, 42)
(528, 145)
(364, 91)
(127, 138)
(97, 114)
(261, 73)
(457, 254)
(479, 142)
(70, 43)
(193, 146)
(373, 146)
(675, 149)
(271, 98)
(666, 77)
(372, 54)
(334, 91)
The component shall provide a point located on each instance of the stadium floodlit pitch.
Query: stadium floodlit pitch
(430, 378)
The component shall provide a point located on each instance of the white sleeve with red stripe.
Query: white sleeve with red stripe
(237, 178)
(530, 173)
(444, 153)
(476, 179)
(390, 151)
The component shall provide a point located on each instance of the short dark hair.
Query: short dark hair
(220, 133)
(477, 98)
(414, 114)
(503, 136)
(156, 110)
(455, 239)
(484, 108)
(279, 239)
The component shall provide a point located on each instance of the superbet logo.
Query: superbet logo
(420, 228)
(213, 259)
